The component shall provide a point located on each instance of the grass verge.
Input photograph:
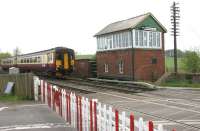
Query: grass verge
(180, 83)
(11, 98)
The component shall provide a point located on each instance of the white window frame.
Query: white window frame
(121, 67)
(106, 68)
(154, 38)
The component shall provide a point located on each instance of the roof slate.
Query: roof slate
(125, 24)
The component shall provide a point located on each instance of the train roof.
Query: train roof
(37, 52)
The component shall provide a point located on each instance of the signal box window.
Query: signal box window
(154, 61)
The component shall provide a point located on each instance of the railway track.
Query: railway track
(94, 86)
(137, 89)
(100, 87)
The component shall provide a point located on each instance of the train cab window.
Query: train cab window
(58, 56)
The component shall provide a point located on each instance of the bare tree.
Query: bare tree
(16, 53)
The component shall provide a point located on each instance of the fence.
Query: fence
(23, 84)
(90, 115)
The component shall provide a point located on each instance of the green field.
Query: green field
(88, 56)
(169, 64)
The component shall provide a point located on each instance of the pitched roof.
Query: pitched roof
(127, 24)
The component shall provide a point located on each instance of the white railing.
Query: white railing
(90, 115)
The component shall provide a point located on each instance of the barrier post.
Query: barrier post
(43, 91)
(123, 119)
(91, 116)
(150, 126)
(160, 127)
(77, 109)
(60, 96)
(116, 120)
(141, 124)
(69, 108)
(95, 116)
(131, 122)
(110, 116)
(53, 95)
(80, 112)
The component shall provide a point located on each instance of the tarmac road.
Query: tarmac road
(30, 116)
(174, 108)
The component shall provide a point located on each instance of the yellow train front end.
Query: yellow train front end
(64, 61)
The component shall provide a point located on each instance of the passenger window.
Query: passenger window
(39, 59)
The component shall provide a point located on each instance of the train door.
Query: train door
(59, 60)
(66, 61)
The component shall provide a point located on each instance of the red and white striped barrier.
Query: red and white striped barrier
(90, 115)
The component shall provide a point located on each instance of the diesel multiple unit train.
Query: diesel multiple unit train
(58, 61)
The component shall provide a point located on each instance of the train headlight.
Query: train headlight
(72, 62)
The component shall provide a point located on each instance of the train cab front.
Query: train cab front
(64, 62)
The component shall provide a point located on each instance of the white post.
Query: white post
(160, 127)
(36, 87)
(110, 116)
(46, 99)
(99, 116)
(73, 110)
(41, 88)
(64, 104)
(104, 118)
(87, 114)
(123, 121)
(141, 124)
(83, 114)
(51, 87)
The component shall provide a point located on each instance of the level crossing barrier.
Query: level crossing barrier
(90, 114)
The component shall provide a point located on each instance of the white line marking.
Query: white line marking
(189, 122)
(32, 105)
(33, 126)
(149, 102)
(3, 108)
(181, 103)
(19, 106)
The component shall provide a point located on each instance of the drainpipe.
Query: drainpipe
(132, 56)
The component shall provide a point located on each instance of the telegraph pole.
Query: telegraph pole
(175, 17)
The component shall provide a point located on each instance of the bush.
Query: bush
(191, 62)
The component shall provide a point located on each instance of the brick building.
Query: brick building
(131, 49)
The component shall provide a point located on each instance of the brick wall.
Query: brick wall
(112, 58)
(144, 69)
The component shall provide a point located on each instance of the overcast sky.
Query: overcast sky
(34, 25)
